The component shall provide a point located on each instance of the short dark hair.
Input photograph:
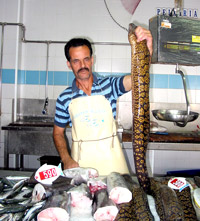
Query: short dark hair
(76, 42)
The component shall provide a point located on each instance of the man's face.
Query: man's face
(80, 62)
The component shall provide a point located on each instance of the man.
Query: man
(89, 106)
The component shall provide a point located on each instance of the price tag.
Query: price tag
(46, 174)
(177, 183)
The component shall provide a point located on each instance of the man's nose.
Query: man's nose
(82, 63)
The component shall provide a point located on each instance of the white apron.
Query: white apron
(94, 136)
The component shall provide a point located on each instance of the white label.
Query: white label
(46, 174)
(177, 183)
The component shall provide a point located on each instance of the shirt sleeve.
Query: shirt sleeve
(62, 117)
(117, 86)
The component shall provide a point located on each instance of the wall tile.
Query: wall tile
(50, 77)
(8, 61)
(175, 82)
(60, 78)
(29, 91)
(6, 119)
(160, 81)
(42, 92)
(10, 6)
(57, 90)
(104, 52)
(60, 64)
(8, 76)
(119, 52)
(21, 77)
(70, 76)
(8, 91)
(162, 69)
(159, 95)
(188, 70)
(174, 96)
(191, 82)
(104, 65)
(191, 96)
(32, 77)
(198, 82)
(6, 106)
(197, 96)
(119, 65)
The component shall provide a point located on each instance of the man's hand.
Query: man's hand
(70, 163)
(144, 34)
(61, 146)
(141, 34)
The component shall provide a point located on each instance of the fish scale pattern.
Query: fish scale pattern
(137, 208)
(140, 61)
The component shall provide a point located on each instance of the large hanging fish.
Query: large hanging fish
(140, 60)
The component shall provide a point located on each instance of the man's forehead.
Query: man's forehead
(79, 48)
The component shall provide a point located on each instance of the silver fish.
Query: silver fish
(1, 187)
(15, 189)
(34, 210)
(41, 191)
(17, 216)
(20, 197)
(13, 208)
(80, 175)
(6, 217)
(61, 200)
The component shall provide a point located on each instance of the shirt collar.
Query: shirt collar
(76, 89)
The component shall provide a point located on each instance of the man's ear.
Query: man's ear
(69, 65)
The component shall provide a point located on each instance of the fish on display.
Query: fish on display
(42, 191)
(21, 196)
(197, 180)
(6, 217)
(39, 193)
(167, 203)
(17, 216)
(61, 200)
(81, 203)
(10, 181)
(118, 189)
(105, 208)
(140, 62)
(15, 189)
(34, 210)
(196, 201)
(53, 213)
(1, 185)
(13, 208)
(138, 208)
(96, 184)
(80, 175)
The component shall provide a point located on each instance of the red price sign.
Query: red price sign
(178, 183)
(46, 174)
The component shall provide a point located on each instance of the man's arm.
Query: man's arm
(61, 146)
(141, 34)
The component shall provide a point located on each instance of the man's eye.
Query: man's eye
(87, 59)
(75, 61)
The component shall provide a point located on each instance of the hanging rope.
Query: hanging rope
(113, 18)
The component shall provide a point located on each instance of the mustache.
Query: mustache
(82, 69)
